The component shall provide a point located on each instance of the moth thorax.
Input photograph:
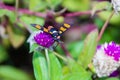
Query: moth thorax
(55, 32)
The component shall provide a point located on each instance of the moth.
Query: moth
(55, 33)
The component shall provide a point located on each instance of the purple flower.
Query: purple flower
(113, 50)
(44, 39)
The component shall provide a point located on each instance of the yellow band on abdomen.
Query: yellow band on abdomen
(62, 29)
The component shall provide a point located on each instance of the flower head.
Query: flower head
(44, 39)
(113, 50)
(106, 59)
(116, 5)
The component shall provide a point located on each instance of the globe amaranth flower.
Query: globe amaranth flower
(116, 5)
(43, 39)
(106, 59)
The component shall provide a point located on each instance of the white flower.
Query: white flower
(105, 60)
(116, 5)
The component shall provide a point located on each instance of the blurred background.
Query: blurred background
(17, 15)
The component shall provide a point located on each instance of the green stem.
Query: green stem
(104, 26)
(61, 57)
(48, 61)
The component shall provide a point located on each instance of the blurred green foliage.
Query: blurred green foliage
(89, 49)
(3, 54)
(75, 48)
(10, 14)
(76, 5)
(76, 72)
(11, 73)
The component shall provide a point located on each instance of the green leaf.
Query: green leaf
(53, 3)
(75, 67)
(8, 13)
(89, 49)
(3, 54)
(76, 5)
(111, 34)
(8, 1)
(101, 5)
(32, 20)
(77, 76)
(75, 48)
(40, 66)
(76, 71)
(65, 70)
(105, 14)
(106, 36)
(113, 78)
(99, 22)
(11, 73)
(55, 67)
(33, 47)
(2, 12)
(15, 38)
(37, 5)
(59, 50)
